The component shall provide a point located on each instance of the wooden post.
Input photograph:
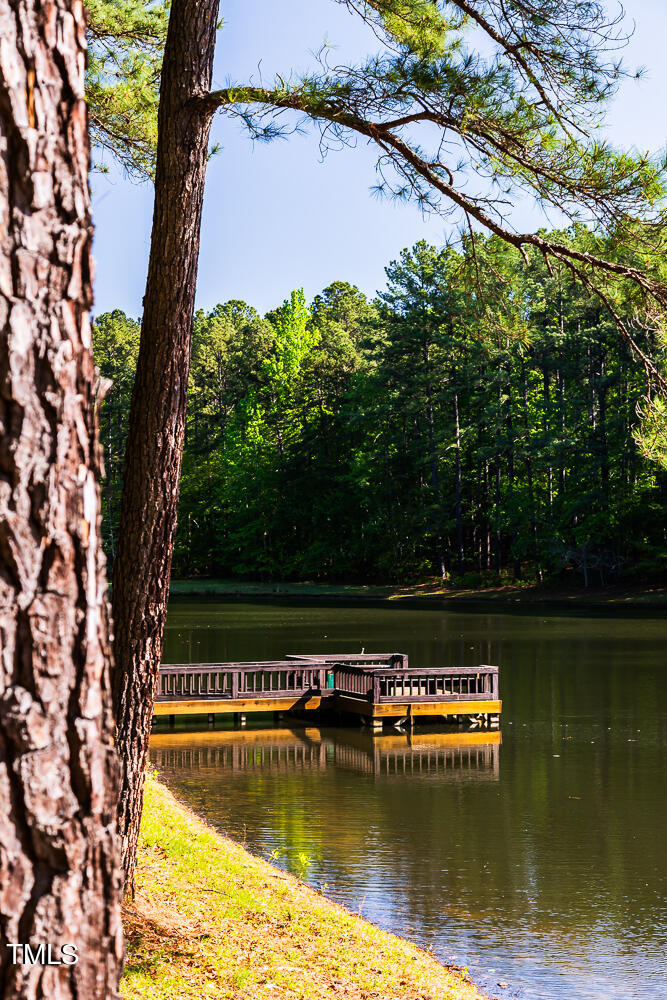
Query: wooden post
(172, 721)
(211, 720)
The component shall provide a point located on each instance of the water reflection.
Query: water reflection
(541, 859)
(453, 756)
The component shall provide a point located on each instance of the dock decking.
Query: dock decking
(373, 686)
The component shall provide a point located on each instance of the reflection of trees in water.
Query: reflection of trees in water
(436, 832)
(560, 858)
(276, 782)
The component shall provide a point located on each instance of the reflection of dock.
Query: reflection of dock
(465, 756)
(370, 686)
(455, 756)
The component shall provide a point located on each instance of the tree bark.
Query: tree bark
(529, 474)
(433, 458)
(59, 864)
(157, 416)
(546, 430)
(498, 541)
(459, 509)
(601, 390)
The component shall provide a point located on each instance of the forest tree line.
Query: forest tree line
(474, 421)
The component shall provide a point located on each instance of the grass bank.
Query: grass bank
(432, 591)
(211, 921)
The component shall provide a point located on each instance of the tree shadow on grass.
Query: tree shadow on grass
(151, 943)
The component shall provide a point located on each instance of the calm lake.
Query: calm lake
(538, 860)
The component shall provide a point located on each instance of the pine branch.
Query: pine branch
(408, 162)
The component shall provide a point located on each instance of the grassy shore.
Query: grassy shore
(432, 591)
(212, 921)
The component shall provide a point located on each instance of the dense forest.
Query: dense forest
(475, 422)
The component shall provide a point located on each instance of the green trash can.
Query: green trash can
(330, 680)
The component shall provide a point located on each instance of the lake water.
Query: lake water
(539, 860)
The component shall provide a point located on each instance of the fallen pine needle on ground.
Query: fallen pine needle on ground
(210, 920)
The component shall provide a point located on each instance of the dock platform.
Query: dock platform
(372, 686)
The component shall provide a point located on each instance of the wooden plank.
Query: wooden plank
(418, 699)
(222, 667)
(296, 662)
(234, 737)
(347, 657)
(432, 671)
(360, 706)
(244, 705)
(426, 741)
(436, 708)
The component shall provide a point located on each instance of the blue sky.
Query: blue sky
(277, 217)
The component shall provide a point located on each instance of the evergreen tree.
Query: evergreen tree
(501, 116)
(478, 415)
(125, 45)
(116, 347)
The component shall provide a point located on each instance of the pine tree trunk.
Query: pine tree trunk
(59, 865)
(459, 507)
(511, 479)
(546, 429)
(498, 540)
(529, 474)
(563, 423)
(435, 478)
(486, 522)
(157, 416)
(602, 430)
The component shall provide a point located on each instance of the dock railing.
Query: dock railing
(218, 681)
(381, 686)
(380, 678)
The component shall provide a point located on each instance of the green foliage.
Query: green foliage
(116, 349)
(294, 338)
(476, 421)
(651, 435)
(471, 102)
(125, 44)
(417, 25)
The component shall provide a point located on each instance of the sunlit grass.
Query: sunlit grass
(504, 592)
(212, 921)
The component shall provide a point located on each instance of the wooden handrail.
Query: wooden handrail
(378, 678)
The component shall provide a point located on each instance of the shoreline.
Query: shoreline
(211, 920)
(429, 594)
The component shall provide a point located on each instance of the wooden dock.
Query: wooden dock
(373, 687)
